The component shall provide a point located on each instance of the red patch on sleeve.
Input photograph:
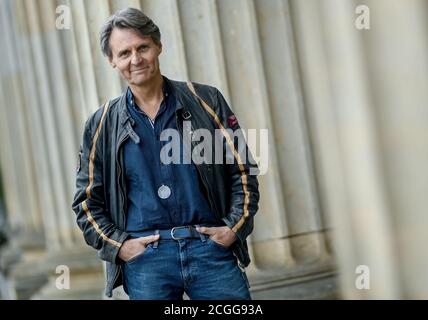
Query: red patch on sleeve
(232, 121)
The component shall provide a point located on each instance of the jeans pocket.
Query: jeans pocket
(218, 245)
(136, 257)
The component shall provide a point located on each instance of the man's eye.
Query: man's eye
(123, 54)
(143, 48)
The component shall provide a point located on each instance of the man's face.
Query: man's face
(136, 57)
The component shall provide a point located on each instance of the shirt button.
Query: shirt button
(164, 192)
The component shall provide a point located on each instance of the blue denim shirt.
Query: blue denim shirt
(145, 173)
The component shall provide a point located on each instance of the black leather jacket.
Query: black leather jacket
(100, 198)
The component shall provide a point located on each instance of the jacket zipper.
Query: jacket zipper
(122, 196)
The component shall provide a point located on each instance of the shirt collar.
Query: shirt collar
(166, 88)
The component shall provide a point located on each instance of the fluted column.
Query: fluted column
(360, 156)
(202, 40)
(54, 107)
(397, 50)
(18, 128)
(290, 129)
(8, 168)
(108, 82)
(116, 5)
(365, 90)
(58, 217)
(27, 237)
(81, 47)
(243, 67)
(166, 15)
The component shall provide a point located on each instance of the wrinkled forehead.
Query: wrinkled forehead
(122, 39)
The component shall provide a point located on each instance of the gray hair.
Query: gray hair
(129, 18)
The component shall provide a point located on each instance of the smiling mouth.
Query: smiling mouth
(141, 69)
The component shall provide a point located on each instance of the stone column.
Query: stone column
(290, 129)
(360, 155)
(108, 82)
(20, 162)
(166, 15)
(10, 253)
(243, 67)
(397, 51)
(54, 111)
(288, 239)
(365, 90)
(122, 4)
(204, 49)
(78, 38)
(19, 132)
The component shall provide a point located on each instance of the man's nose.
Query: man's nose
(136, 58)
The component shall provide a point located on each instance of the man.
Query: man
(163, 228)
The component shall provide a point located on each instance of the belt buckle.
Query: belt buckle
(172, 232)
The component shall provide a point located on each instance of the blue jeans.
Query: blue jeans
(202, 269)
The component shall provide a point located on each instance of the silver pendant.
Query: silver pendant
(164, 192)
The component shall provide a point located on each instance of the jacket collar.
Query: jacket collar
(124, 115)
(179, 89)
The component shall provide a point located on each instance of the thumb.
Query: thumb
(205, 230)
(149, 239)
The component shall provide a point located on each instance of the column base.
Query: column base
(300, 283)
(19, 260)
(86, 276)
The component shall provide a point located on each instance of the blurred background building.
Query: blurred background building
(343, 210)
